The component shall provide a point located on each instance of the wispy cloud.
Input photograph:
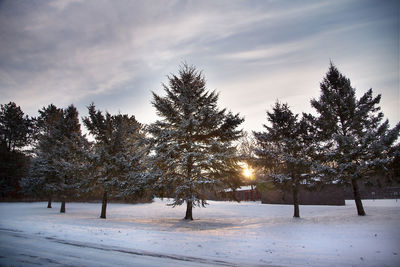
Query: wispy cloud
(253, 52)
(75, 49)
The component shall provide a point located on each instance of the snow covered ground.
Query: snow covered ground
(224, 233)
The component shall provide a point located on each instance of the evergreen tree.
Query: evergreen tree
(71, 152)
(15, 128)
(356, 142)
(15, 134)
(43, 172)
(59, 165)
(118, 160)
(192, 145)
(285, 152)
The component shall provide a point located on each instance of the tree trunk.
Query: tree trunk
(296, 202)
(189, 208)
(49, 203)
(357, 198)
(62, 210)
(104, 205)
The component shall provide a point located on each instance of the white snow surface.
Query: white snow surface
(246, 233)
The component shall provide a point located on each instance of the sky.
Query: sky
(115, 53)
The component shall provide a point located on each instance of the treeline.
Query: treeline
(185, 155)
(193, 149)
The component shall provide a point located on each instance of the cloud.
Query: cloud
(264, 53)
(115, 52)
(74, 49)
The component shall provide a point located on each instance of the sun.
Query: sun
(248, 172)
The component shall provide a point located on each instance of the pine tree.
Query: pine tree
(356, 142)
(118, 161)
(15, 128)
(15, 134)
(59, 165)
(192, 144)
(43, 171)
(285, 152)
(71, 152)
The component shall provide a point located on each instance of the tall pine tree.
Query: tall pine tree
(59, 165)
(72, 154)
(192, 143)
(285, 152)
(15, 133)
(119, 155)
(356, 142)
(43, 172)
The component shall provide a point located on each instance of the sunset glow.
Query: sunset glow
(247, 171)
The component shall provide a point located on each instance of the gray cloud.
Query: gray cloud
(253, 52)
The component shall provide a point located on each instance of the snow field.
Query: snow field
(247, 233)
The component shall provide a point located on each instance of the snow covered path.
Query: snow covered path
(244, 234)
(20, 249)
